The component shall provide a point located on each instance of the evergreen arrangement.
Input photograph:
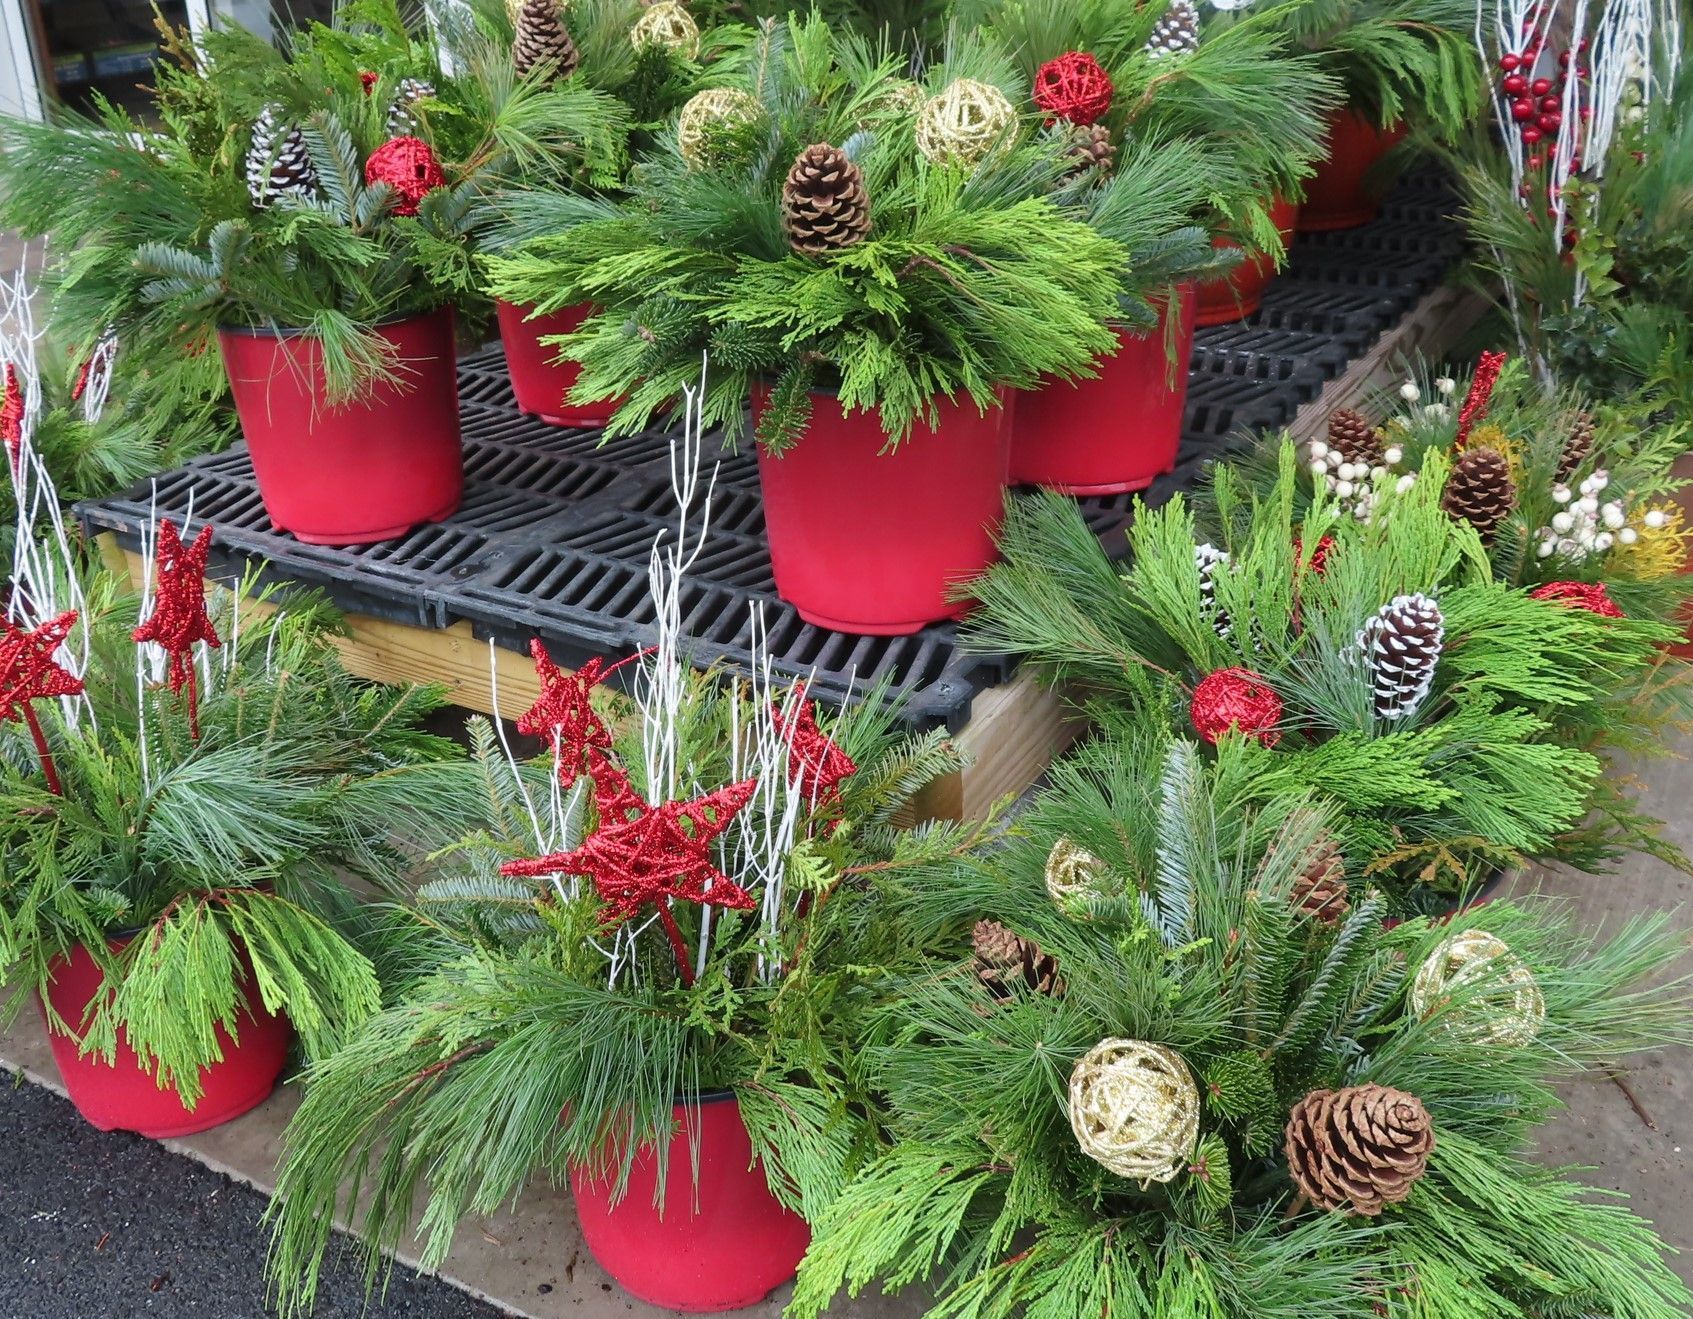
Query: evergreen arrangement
(1176, 1067)
(283, 189)
(1377, 661)
(966, 279)
(685, 896)
(190, 805)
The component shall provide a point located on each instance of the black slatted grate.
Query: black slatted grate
(554, 534)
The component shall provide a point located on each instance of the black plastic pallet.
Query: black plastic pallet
(554, 534)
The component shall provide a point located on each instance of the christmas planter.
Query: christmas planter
(1342, 195)
(721, 1241)
(540, 381)
(125, 1096)
(1116, 432)
(868, 541)
(1239, 293)
(367, 470)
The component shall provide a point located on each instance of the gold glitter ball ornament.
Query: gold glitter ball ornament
(963, 122)
(1074, 874)
(667, 24)
(707, 120)
(1135, 1109)
(1504, 1004)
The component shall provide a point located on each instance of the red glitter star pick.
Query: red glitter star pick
(814, 760)
(179, 617)
(564, 716)
(659, 855)
(28, 669)
(12, 416)
(1591, 596)
(1480, 392)
(28, 672)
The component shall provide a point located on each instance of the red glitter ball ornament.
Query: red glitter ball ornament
(408, 165)
(1074, 86)
(1591, 596)
(1236, 699)
(179, 619)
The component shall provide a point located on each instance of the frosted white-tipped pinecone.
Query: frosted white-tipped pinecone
(1176, 33)
(402, 120)
(278, 164)
(1210, 561)
(1401, 645)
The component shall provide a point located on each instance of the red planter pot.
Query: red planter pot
(722, 1243)
(869, 542)
(1241, 292)
(541, 383)
(1116, 432)
(125, 1097)
(369, 470)
(1341, 195)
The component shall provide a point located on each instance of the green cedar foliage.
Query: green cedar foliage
(226, 858)
(512, 1014)
(969, 282)
(984, 1195)
(1482, 773)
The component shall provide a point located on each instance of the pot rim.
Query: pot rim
(299, 332)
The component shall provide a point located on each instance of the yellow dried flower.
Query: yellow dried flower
(1661, 545)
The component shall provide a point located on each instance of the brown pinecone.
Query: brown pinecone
(541, 37)
(1357, 440)
(824, 205)
(402, 118)
(1359, 1148)
(1576, 449)
(1004, 960)
(1320, 890)
(1401, 643)
(1480, 491)
(1089, 149)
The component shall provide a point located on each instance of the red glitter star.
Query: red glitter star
(12, 416)
(1591, 596)
(564, 716)
(179, 617)
(1480, 392)
(660, 855)
(814, 760)
(29, 672)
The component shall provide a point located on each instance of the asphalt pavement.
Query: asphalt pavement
(109, 1225)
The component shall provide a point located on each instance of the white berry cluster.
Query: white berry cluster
(1354, 484)
(1585, 526)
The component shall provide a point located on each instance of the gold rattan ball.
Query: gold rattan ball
(1503, 1003)
(1135, 1109)
(667, 24)
(707, 119)
(963, 122)
(1075, 875)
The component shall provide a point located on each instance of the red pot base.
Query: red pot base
(371, 537)
(123, 1096)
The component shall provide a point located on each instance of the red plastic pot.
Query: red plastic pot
(869, 542)
(722, 1242)
(124, 1096)
(364, 471)
(1241, 292)
(1119, 431)
(541, 383)
(1341, 195)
